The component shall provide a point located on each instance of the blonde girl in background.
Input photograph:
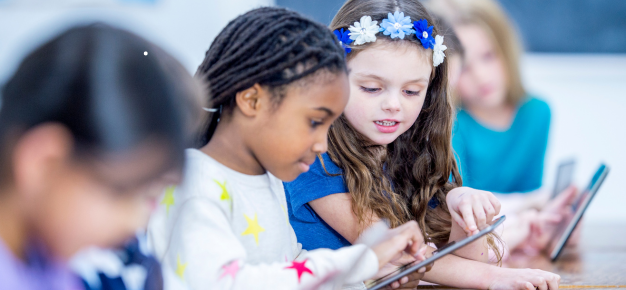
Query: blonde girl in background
(501, 131)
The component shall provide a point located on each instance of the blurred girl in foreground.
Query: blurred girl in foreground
(89, 128)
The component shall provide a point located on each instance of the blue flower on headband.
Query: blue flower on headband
(344, 39)
(424, 33)
(397, 25)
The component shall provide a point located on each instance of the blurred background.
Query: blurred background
(575, 59)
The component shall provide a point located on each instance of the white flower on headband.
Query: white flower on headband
(364, 31)
(438, 50)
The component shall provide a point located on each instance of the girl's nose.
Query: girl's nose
(391, 103)
(321, 144)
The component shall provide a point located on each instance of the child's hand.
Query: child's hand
(527, 279)
(410, 281)
(544, 223)
(472, 209)
(405, 238)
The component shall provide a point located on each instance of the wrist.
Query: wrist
(491, 275)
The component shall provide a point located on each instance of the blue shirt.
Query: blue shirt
(504, 161)
(311, 230)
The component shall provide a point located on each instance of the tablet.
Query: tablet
(564, 176)
(566, 227)
(414, 266)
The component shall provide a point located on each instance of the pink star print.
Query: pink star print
(230, 269)
(300, 268)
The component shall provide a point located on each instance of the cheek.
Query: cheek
(412, 109)
(358, 110)
(499, 75)
(283, 140)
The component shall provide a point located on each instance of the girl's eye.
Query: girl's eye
(315, 123)
(411, 93)
(370, 90)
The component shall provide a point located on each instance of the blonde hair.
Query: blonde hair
(489, 15)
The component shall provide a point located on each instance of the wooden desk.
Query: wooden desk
(599, 262)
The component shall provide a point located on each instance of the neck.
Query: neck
(228, 147)
(13, 227)
(498, 117)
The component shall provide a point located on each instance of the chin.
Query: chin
(287, 176)
(384, 139)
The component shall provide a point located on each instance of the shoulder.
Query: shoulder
(203, 177)
(462, 120)
(323, 167)
(323, 178)
(536, 106)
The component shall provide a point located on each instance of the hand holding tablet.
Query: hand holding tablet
(567, 226)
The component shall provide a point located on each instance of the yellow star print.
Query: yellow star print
(180, 268)
(285, 211)
(225, 195)
(168, 199)
(253, 228)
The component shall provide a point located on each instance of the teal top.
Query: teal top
(503, 161)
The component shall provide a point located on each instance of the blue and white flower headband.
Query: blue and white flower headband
(396, 26)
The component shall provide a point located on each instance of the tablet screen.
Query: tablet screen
(414, 266)
(567, 226)
(564, 177)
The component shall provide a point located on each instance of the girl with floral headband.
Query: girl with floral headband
(390, 155)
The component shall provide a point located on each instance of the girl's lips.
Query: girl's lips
(304, 167)
(387, 126)
(486, 90)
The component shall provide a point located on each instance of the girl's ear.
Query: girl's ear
(37, 155)
(251, 100)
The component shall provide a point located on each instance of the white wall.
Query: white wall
(587, 94)
(185, 28)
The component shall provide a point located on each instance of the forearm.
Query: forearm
(477, 251)
(459, 272)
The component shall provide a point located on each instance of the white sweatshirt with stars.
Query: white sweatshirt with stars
(221, 229)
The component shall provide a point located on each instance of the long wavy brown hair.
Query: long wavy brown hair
(397, 182)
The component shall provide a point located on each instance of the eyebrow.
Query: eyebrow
(327, 110)
(382, 79)
(370, 76)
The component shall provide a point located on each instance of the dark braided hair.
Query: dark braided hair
(269, 46)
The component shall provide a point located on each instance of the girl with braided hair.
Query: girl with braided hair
(390, 154)
(275, 81)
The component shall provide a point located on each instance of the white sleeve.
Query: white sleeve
(204, 253)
